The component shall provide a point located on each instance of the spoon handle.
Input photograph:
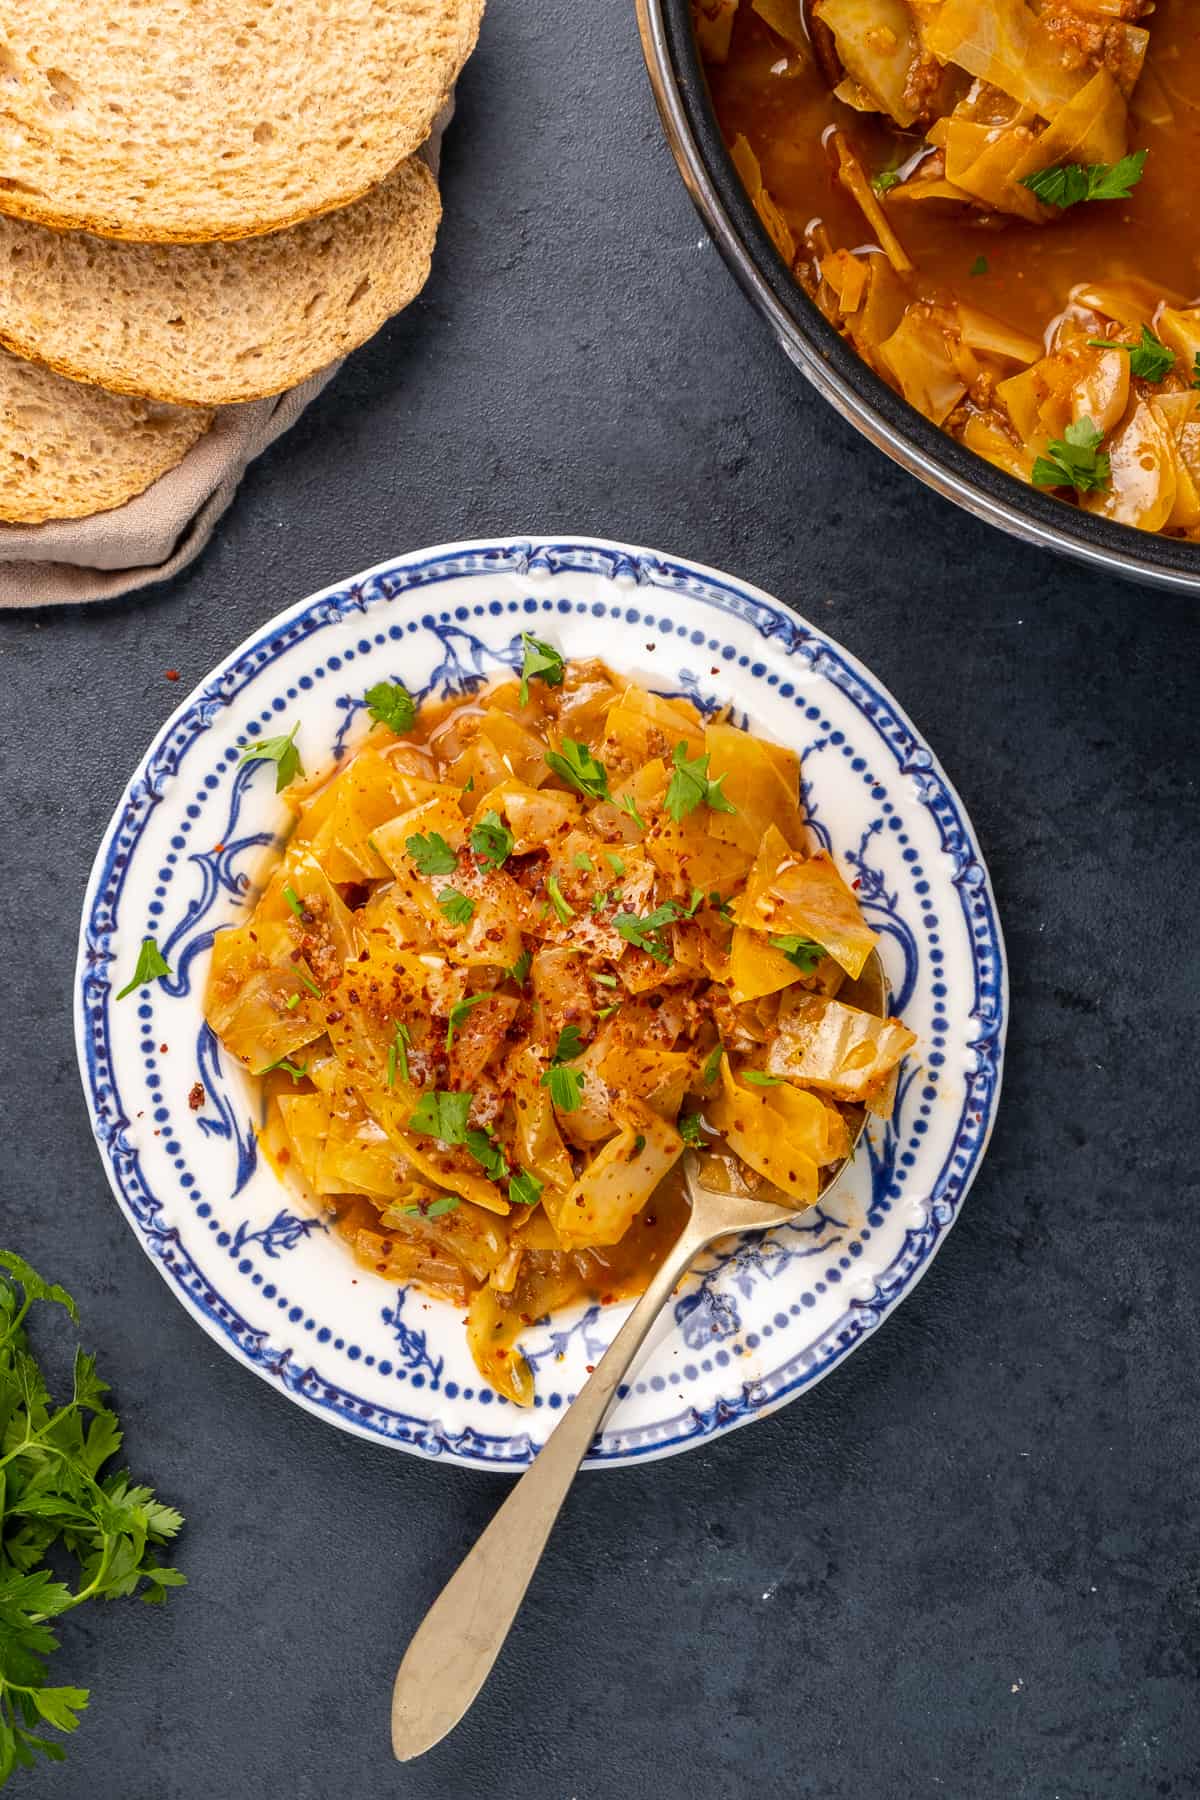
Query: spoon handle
(460, 1637)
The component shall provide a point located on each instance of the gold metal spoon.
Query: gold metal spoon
(461, 1635)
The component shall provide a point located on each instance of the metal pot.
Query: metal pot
(832, 365)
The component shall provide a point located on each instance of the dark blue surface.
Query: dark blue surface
(967, 1565)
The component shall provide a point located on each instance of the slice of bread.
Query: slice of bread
(67, 451)
(208, 324)
(189, 120)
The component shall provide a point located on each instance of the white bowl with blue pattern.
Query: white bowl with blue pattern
(757, 1322)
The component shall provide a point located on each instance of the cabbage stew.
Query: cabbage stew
(993, 200)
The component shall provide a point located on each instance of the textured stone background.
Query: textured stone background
(968, 1564)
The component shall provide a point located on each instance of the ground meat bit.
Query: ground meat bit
(197, 1096)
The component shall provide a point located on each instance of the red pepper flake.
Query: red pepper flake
(590, 1367)
(162, 1049)
(217, 849)
(285, 1155)
(857, 884)
(196, 1097)
(172, 674)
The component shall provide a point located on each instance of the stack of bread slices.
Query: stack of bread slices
(202, 202)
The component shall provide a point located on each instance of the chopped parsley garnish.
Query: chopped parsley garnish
(541, 663)
(712, 1064)
(309, 983)
(646, 931)
(282, 752)
(75, 1529)
(606, 1012)
(759, 1078)
(392, 705)
(693, 905)
(690, 787)
(600, 901)
(583, 861)
(297, 1071)
(1075, 460)
(524, 1188)
(434, 1209)
(980, 266)
(690, 1127)
(561, 905)
(397, 1057)
(603, 980)
(617, 863)
(886, 180)
(581, 770)
(805, 953)
(1150, 360)
(491, 840)
(292, 1002)
(629, 805)
(460, 1012)
(520, 969)
(487, 1153)
(639, 1144)
(151, 966)
(569, 1045)
(441, 1115)
(293, 900)
(566, 1086)
(431, 853)
(1196, 371)
(455, 906)
(1066, 184)
(469, 785)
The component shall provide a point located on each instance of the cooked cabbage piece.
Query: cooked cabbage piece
(835, 1048)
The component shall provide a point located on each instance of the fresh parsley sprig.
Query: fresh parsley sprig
(804, 952)
(434, 1209)
(1075, 460)
(151, 966)
(647, 931)
(456, 907)
(575, 764)
(491, 840)
(524, 1188)
(565, 1085)
(541, 662)
(1068, 184)
(461, 1011)
(431, 854)
(690, 787)
(397, 1056)
(690, 1127)
(441, 1114)
(282, 752)
(1149, 360)
(392, 705)
(559, 901)
(55, 1495)
(569, 1045)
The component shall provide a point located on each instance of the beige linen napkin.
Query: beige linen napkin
(158, 532)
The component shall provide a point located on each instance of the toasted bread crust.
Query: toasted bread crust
(104, 134)
(68, 451)
(217, 324)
